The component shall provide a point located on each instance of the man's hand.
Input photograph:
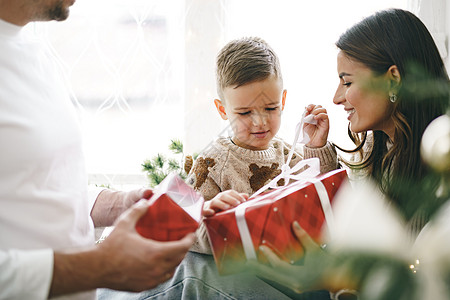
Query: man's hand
(111, 204)
(135, 263)
(124, 261)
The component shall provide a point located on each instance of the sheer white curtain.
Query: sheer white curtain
(436, 16)
(142, 71)
(125, 65)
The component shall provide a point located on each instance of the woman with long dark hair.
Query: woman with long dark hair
(392, 84)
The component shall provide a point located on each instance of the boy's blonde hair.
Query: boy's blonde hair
(243, 61)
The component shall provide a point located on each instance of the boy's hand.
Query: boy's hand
(223, 201)
(318, 133)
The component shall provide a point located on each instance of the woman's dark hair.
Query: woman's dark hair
(397, 37)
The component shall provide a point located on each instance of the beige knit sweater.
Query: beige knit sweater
(224, 166)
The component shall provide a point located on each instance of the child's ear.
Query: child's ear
(221, 109)
(283, 99)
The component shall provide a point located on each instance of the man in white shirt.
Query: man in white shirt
(47, 215)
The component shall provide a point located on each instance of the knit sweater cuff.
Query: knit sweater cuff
(327, 155)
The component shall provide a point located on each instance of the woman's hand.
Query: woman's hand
(297, 278)
(320, 269)
(223, 201)
(318, 133)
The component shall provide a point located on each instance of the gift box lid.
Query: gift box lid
(174, 211)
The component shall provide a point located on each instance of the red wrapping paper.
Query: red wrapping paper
(175, 210)
(269, 221)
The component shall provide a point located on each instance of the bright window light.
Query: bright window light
(136, 66)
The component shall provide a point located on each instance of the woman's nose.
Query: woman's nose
(339, 96)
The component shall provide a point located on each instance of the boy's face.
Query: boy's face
(254, 112)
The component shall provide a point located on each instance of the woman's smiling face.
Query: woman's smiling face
(364, 96)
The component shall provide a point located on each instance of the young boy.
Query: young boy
(250, 87)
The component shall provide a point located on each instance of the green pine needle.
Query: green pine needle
(159, 160)
(156, 178)
(173, 165)
(148, 166)
(176, 146)
(158, 167)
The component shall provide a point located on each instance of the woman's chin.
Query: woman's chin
(356, 129)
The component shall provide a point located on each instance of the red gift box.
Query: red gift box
(268, 221)
(175, 210)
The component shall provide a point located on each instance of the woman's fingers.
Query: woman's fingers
(304, 238)
(278, 275)
(273, 259)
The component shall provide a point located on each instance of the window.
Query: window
(141, 72)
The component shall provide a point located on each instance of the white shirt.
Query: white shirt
(44, 202)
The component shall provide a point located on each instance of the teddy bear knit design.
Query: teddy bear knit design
(201, 170)
(260, 176)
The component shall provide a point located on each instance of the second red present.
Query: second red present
(266, 219)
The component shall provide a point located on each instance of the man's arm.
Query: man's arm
(124, 261)
(33, 267)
